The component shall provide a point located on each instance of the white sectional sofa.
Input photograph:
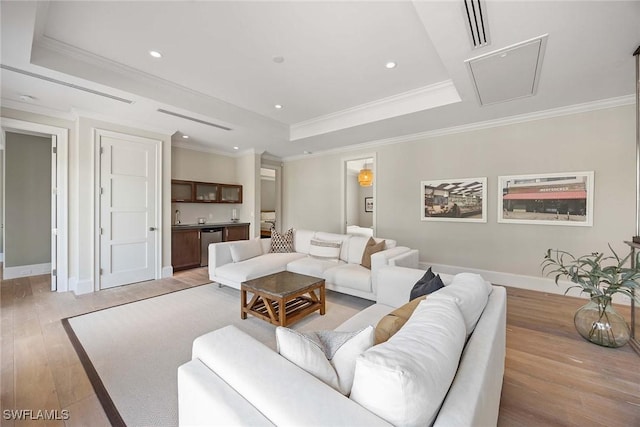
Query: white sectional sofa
(235, 380)
(345, 275)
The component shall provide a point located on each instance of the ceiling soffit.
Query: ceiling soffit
(64, 56)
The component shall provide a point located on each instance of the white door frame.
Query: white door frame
(97, 134)
(343, 211)
(62, 205)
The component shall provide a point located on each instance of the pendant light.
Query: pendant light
(365, 177)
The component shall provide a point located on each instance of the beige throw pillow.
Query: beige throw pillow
(371, 248)
(392, 322)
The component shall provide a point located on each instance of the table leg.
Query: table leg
(243, 304)
(282, 312)
(322, 301)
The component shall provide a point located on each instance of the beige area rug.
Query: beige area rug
(132, 352)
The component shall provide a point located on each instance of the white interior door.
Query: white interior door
(128, 210)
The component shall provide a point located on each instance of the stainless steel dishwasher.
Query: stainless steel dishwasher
(208, 235)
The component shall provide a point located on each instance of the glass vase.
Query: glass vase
(598, 322)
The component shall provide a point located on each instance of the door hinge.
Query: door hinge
(101, 272)
(54, 272)
(101, 150)
(101, 191)
(101, 231)
(54, 150)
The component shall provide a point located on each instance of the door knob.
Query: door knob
(152, 229)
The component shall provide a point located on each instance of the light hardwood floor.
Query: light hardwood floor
(552, 376)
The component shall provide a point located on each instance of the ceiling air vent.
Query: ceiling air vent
(63, 83)
(193, 119)
(477, 22)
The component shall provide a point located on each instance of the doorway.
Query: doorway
(270, 199)
(34, 207)
(359, 177)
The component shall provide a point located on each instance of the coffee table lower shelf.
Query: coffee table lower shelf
(269, 311)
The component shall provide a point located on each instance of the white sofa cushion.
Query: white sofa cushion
(356, 248)
(329, 356)
(245, 249)
(312, 266)
(302, 240)
(325, 249)
(471, 293)
(353, 276)
(344, 238)
(405, 379)
(256, 267)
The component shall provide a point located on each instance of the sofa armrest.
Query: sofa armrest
(281, 391)
(205, 400)
(395, 283)
(409, 259)
(219, 255)
(381, 259)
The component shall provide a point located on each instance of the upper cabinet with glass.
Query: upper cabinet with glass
(230, 193)
(205, 192)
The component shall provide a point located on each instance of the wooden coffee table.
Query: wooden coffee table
(296, 293)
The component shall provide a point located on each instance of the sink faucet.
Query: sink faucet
(177, 216)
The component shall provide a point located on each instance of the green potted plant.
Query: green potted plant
(601, 277)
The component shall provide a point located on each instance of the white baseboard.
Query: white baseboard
(167, 271)
(541, 284)
(26, 271)
(83, 287)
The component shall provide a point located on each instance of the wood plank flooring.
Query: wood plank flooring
(552, 378)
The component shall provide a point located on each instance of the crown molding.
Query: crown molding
(423, 98)
(505, 121)
(201, 148)
(86, 114)
(38, 109)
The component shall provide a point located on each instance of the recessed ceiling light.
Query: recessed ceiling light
(236, 148)
(278, 106)
(278, 59)
(391, 64)
(307, 152)
(155, 54)
(185, 136)
(26, 98)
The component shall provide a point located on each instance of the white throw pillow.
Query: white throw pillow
(325, 249)
(329, 356)
(245, 249)
(406, 379)
(471, 293)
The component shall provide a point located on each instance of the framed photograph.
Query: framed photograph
(550, 199)
(368, 204)
(462, 200)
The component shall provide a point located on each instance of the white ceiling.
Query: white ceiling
(218, 65)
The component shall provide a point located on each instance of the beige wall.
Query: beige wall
(28, 200)
(601, 141)
(192, 165)
(365, 219)
(267, 195)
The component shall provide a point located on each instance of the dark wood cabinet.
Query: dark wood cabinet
(205, 192)
(181, 191)
(235, 232)
(185, 249)
(230, 193)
